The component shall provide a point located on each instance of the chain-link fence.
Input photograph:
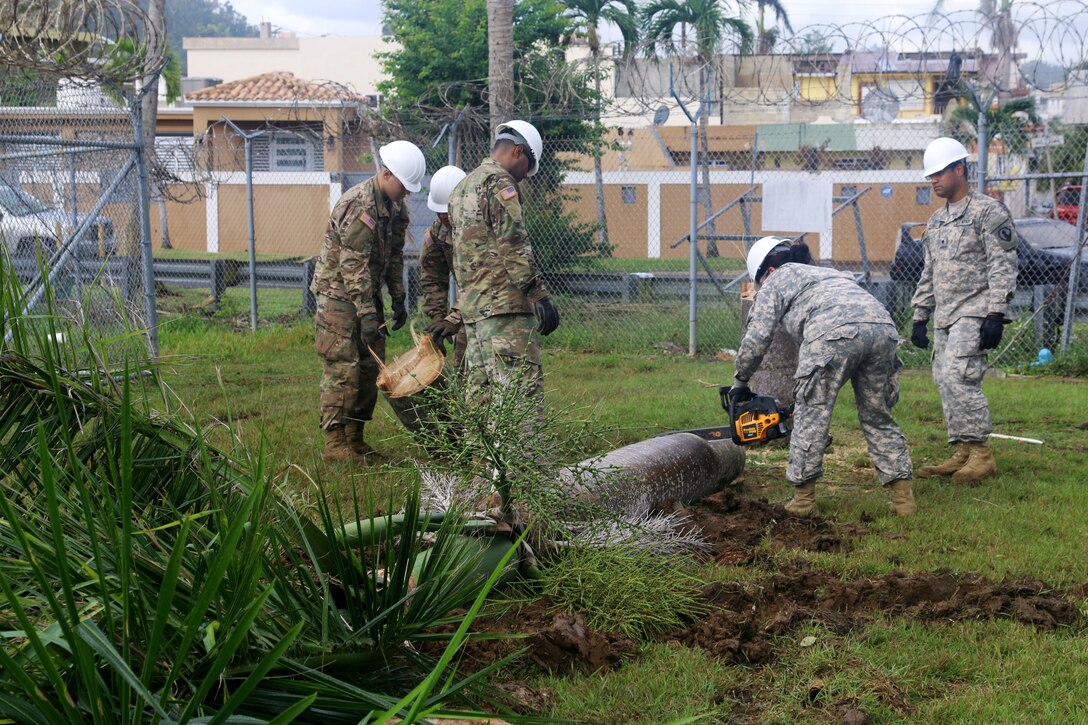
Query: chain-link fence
(643, 250)
(629, 290)
(69, 204)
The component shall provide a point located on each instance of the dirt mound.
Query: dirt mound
(735, 526)
(556, 642)
(745, 617)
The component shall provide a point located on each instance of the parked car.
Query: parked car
(27, 223)
(1043, 251)
(1069, 203)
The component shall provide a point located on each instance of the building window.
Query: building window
(922, 195)
(288, 150)
(628, 195)
(290, 153)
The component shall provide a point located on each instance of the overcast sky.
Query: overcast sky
(363, 17)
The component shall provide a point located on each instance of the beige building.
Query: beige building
(348, 60)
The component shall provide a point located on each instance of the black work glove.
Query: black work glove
(547, 316)
(400, 313)
(740, 394)
(918, 334)
(442, 328)
(989, 335)
(440, 331)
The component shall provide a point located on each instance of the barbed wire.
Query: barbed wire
(896, 53)
(102, 40)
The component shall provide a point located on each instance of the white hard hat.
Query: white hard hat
(442, 184)
(940, 154)
(405, 161)
(523, 133)
(761, 249)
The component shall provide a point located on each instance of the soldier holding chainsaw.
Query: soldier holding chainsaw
(844, 334)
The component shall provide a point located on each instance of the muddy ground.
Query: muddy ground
(744, 619)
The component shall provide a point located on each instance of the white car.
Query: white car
(27, 223)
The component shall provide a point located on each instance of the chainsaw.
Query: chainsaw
(758, 420)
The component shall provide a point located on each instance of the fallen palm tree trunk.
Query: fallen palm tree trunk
(632, 480)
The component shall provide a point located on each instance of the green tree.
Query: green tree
(442, 63)
(712, 24)
(588, 16)
(814, 42)
(441, 67)
(767, 36)
(1011, 120)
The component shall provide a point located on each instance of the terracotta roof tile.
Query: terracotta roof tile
(279, 86)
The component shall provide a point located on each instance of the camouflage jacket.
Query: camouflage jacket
(364, 246)
(492, 260)
(970, 263)
(435, 266)
(810, 303)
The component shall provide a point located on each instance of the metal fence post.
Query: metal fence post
(144, 190)
(983, 149)
(252, 239)
(248, 139)
(1074, 268)
(693, 257)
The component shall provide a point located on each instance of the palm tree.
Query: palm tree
(1003, 36)
(587, 16)
(500, 48)
(1010, 120)
(711, 23)
(766, 36)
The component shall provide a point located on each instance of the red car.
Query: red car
(1068, 201)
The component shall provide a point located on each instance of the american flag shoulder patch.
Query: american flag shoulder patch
(508, 193)
(367, 219)
(427, 238)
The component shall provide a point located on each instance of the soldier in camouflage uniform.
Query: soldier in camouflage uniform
(844, 334)
(436, 266)
(499, 286)
(967, 281)
(364, 248)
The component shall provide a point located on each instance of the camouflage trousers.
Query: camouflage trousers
(958, 369)
(502, 349)
(865, 355)
(348, 390)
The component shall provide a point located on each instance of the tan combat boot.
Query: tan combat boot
(953, 464)
(803, 502)
(353, 433)
(337, 447)
(980, 464)
(902, 498)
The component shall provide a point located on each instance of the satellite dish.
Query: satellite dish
(661, 115)
(879, 105)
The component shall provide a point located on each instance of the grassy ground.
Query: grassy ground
(1027, 523)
